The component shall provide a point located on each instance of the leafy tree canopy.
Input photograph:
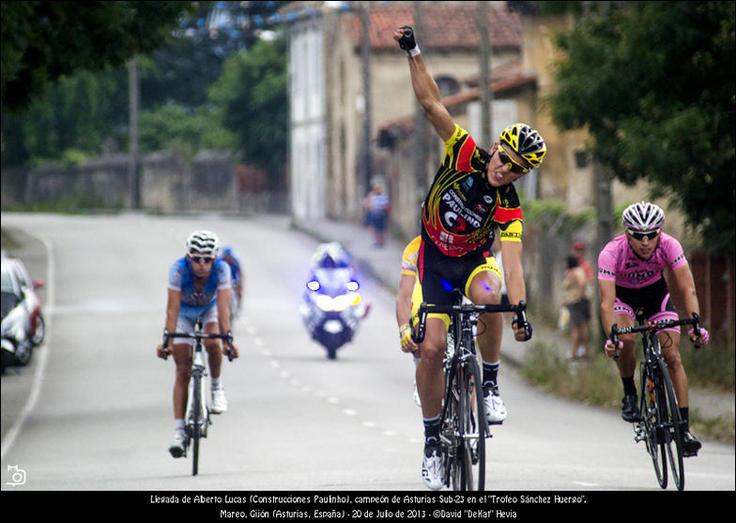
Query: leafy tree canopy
(42, 41)
(252, 96)
(653, 82)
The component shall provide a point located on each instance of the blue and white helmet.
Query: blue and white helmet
(203, 243)
(643, 216)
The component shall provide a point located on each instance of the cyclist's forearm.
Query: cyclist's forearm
(172, 313)
(607, 317)
(425, 88)
(403, 312)
(223, 314)
(515, 286)
(686, 295)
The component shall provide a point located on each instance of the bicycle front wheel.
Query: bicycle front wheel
(672, 428)
(472, 427)
(196, 420)
(651, 419)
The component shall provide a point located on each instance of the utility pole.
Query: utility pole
(366, 166)
(486, 93)
(420, 128)
(134, 162)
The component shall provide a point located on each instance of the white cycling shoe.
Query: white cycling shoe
(178, 447)
(432, 468)
(219, 401)
(495, 409)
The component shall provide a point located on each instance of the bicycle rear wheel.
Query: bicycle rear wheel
(472, 419)
(673, 428)
(651, 414)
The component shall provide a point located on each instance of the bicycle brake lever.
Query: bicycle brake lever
(696, 329)
(614, 339)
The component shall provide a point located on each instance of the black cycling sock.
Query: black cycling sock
(490, 375)
(629, 386)
(432, 431)
(685, 415)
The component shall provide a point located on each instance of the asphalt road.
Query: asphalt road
(103, 417)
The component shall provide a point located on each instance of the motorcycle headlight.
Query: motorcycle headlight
(352, 286)
(313, 285)
(324, 302)
(342, 302)
(7, 345)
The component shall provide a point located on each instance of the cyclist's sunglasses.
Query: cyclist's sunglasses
(509, 163)
(201, 259)
(641, 235)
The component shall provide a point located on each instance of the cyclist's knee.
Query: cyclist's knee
(629, 340)
(673, 359)
(432, 352)
(184, 370)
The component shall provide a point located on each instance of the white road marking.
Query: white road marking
(350, 412)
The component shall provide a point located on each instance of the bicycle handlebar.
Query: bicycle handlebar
(199, 335)
(417, 335)
(656, 325)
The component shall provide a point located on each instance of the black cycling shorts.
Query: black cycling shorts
(654, 299)
(440, 274)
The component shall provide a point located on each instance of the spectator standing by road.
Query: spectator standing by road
(574, 285)
(377, 206)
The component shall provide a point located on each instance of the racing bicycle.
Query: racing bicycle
(660, 425)
(198, 410)
(463, 422)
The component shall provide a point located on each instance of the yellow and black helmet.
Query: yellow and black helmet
(527, 142)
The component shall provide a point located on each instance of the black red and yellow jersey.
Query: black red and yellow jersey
(462, 209)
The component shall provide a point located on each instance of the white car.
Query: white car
(23, 326)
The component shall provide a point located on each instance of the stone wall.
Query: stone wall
(169, 183)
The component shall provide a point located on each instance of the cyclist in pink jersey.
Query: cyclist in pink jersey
(633, 272)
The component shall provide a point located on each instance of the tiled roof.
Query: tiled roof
(445, 25)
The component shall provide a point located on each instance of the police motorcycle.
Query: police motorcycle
(332, 307)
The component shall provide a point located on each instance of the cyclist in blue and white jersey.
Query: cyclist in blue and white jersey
(199, 286)
(238, 277)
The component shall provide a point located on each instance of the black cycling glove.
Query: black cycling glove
(407, 42)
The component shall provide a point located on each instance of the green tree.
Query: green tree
(653, 82)
(252, 96)
(78, 112)
(43, 41)
(172, 126)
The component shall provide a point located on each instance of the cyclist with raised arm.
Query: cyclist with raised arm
(634, 270)
(471, 195)
(199, 286)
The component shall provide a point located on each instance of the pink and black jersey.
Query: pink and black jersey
(618, 262)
